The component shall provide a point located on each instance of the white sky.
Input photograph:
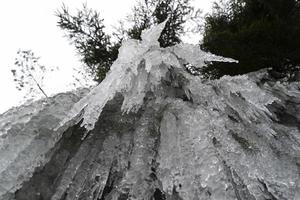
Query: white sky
(31, 24)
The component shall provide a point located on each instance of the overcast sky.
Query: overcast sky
(31, 24)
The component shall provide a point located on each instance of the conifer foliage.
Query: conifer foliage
(258, 33)
(86, 32)
(149, 12)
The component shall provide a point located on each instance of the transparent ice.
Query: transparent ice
(156, 126)
(129, 76)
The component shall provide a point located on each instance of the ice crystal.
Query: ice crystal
(138, 69)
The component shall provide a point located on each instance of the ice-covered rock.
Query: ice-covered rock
(27, 135)
(140, 67)
(152, 130)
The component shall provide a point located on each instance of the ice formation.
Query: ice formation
(139, 68)
(157, 132)
(25, 139)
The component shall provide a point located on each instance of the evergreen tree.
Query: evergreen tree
(86, 31)
(258, 33)
(149, 12)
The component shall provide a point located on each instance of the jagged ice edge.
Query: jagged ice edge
(125, 69)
